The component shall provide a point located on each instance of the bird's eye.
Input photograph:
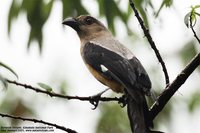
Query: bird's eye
(89, 21)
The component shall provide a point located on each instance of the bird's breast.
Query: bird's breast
(112, 84)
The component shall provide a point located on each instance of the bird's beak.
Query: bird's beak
(72, 22)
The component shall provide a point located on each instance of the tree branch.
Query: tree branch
(151, 42)
(192, 28)
(154, 110)
(52, 94)
(180, 79)
(174, 86)
(39, 121)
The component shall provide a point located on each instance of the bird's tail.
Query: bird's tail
(138, 113)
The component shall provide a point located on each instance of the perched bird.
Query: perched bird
(115, 66)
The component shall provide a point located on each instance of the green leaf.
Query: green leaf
(37, 14)
(72, 8)
(63, 87)
(191, 17)
(45, 86)
(166, 3)
(139, 5)
(197, 6)
(13, 13)
(198, 14)
(111, 10)
(187, 19)
(35, 35)
(47, 9)
(8, 68)
(36, 21)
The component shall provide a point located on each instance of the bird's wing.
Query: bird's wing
(129, 71)
(142, 77)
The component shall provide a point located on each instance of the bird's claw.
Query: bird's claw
(123, 100)
(94, 100)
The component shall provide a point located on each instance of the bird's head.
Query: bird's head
(86, 26)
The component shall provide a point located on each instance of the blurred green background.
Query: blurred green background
(39, 49)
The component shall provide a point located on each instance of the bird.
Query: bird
(115, 66)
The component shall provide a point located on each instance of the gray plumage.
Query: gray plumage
(116, 67)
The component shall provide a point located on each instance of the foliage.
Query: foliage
(71, 8)
(113, 120)
(46, 87)
(193, 14)
(166, 3)
(111, 11)
(38, 12)
(8, 68)
(14, 105)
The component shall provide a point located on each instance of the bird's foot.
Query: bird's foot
(94, 100)
(153, 97)
(123, 100)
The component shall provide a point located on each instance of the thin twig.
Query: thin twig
(39, 121)
(192, 28)
(52, 94)
(151, 42)
(174, 86)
